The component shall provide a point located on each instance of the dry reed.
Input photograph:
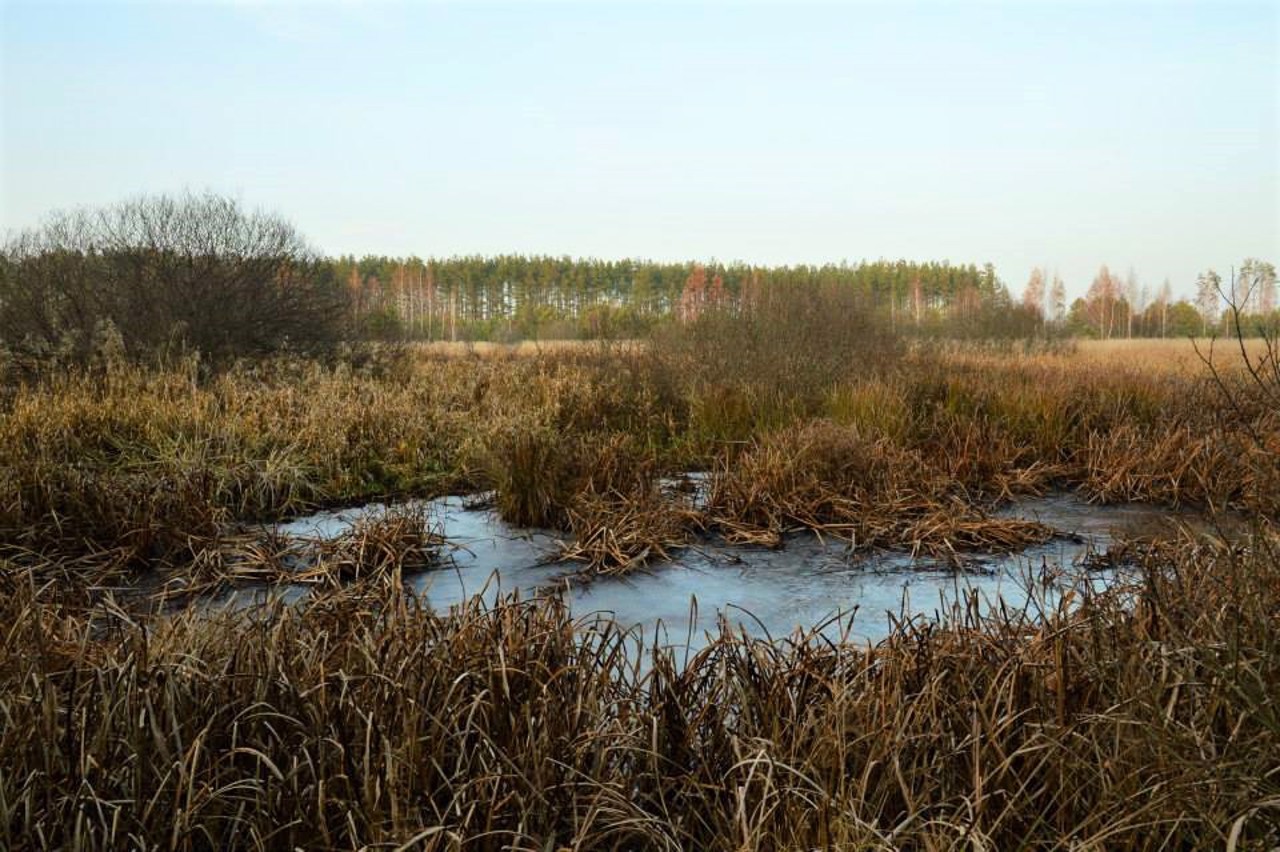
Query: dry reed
(1141, 718)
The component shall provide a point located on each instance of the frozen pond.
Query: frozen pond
(765, 591)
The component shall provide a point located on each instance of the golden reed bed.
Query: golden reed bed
(1141, 718)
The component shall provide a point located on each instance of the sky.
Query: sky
(1062, 135)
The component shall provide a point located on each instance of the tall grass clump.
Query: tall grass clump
(602, 490)
(826, 477)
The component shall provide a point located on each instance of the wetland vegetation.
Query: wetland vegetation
(136, 476)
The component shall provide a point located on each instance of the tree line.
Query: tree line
(199, 273)
(516, 297)
(1116, 306)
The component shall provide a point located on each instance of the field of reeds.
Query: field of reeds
(1146, 716)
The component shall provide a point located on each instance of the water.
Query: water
(761, 591)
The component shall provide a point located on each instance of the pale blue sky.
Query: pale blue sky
(1065, 135)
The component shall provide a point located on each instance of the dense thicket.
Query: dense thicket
(154, 274)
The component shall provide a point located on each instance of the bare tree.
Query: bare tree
(1132, 296)
(1101, 301)
(1260, 388)
(1208, 288)
(1256, 283)
(1058, 300)
(195, 271)
(1163, 298)
(1033, 294)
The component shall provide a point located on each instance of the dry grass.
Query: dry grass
(112, 475)
(616, 532)
(1142, 718)
(828, 478)
(1180, 356)
(524, 348)
(1166, 355)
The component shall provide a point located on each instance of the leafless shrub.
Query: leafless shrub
(164, 274)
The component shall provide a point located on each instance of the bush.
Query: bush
(776, 357)
(188, 273)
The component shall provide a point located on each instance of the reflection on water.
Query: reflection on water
(765, 592)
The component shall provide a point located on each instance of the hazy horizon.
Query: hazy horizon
(1063, 135)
